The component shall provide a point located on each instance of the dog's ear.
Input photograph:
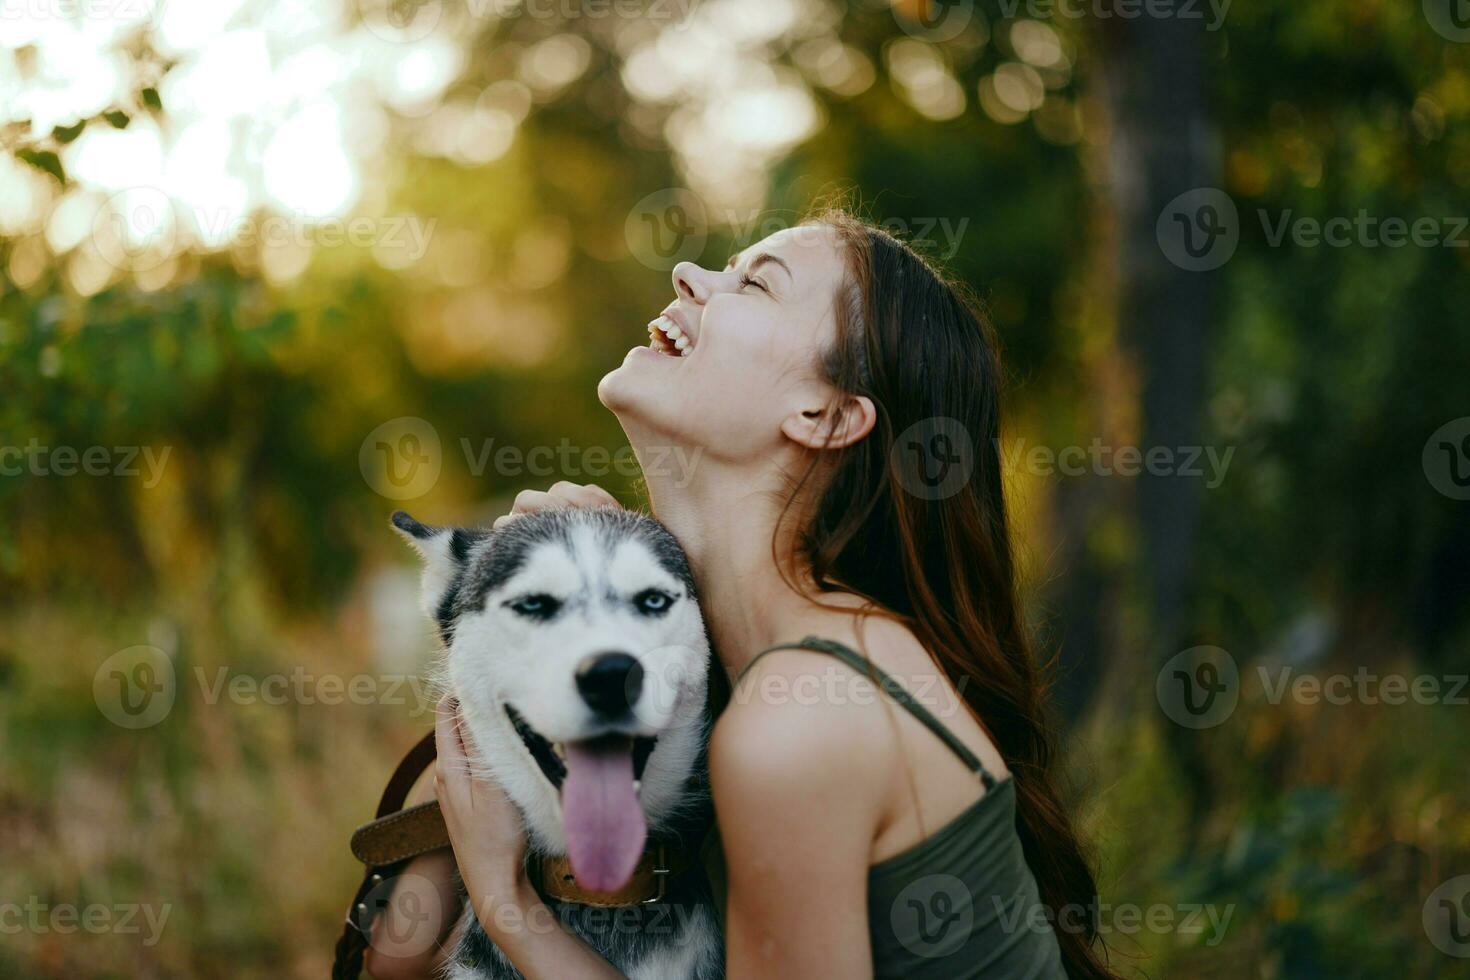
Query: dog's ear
(443, 549)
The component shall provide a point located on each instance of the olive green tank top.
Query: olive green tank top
(962, 902)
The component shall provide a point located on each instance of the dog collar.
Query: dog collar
(662, 864)
(420, 829)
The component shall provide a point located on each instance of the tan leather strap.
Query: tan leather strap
(347, 962)
(400, 836)
(425, 751)
(659, 868)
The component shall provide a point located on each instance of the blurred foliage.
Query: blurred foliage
(1324, 826)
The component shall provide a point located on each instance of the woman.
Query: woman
(827, 384)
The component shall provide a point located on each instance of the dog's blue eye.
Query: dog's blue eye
(653, 601)
(537, 605)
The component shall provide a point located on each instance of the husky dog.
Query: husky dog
(575, 646)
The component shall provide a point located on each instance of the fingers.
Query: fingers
(451, 761)
(561, 496)
(584, 494)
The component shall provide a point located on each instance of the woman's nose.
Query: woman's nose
(693, 283)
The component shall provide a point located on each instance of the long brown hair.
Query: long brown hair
(923, 351)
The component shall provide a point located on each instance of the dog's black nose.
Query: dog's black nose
(610, 682)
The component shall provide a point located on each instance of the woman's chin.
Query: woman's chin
(632, 382)
(619, 388)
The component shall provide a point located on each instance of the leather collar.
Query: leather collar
(663, 866)
(420, 829)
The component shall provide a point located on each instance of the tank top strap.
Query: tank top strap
(894, 690)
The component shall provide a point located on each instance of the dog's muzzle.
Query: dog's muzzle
(549, 755)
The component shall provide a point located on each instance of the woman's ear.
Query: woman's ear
(836, 426)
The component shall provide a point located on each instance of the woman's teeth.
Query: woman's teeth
(666, 336)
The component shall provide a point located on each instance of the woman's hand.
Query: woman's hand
(561, 496)
(484, 825)
(490, 847)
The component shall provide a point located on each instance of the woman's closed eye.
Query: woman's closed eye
(752, 281)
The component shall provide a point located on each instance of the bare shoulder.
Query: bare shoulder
(783, 732)
(892, 647)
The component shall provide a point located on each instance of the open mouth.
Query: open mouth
(599, 781)
(551, 756)
(665, 337)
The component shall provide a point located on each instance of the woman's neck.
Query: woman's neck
(725, 517)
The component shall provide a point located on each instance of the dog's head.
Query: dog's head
(577, 651)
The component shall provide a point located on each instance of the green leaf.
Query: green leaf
(45, 160)
(65, 134)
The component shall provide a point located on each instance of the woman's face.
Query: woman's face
(752, 336)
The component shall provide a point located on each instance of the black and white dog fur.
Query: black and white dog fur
(566, 632)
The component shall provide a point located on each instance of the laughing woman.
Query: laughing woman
(847, 525)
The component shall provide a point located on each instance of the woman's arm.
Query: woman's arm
(490, 848)
(798, 806)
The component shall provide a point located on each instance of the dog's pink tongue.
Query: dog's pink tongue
(604, 823)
